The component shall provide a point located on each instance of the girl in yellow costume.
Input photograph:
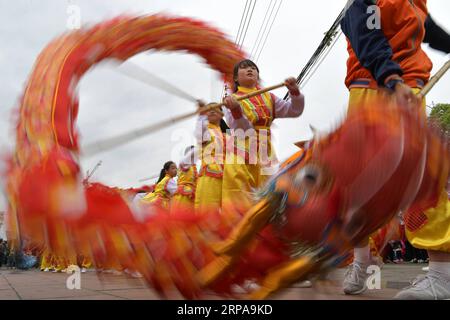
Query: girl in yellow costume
(249, 151)
(210, 138)
(165, 187)
(187, 179)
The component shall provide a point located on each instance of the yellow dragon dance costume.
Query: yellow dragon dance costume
(162, 194)
(211, 141)
(186, 185)
(250, 156)
(312, 197)
(429, 229)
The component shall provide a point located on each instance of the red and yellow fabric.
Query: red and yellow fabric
(429, 230)
(243, 169)
(365, 96)
(213, 153)
(435, 233)
(49, 204)
(260, 111)
(187, 179)
(161, 195)
(208, 196)
(44, 163)
(46, 260)
(54, 262)
(84, 261)
(184, 197)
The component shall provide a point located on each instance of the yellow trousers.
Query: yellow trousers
(181, 202)
(86, 262)
(239, 181)
(208, 194)
(52, 262)
(46, 260)
(363, 96)
(435, 234)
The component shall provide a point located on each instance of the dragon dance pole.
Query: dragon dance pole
(110, 143)
(435, 78)
(113, 142)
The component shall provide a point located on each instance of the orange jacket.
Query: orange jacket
(375, 54)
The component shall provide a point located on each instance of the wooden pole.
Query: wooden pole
(110, 143)
(435, 79)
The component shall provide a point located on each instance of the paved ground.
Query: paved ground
(33, 284)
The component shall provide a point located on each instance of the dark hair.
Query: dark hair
(237, 66)
(166, 167)
(188, 149)
(223, 126)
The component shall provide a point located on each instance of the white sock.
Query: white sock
(362, 255)
(440, 267)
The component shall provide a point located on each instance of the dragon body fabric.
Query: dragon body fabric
(335, 192)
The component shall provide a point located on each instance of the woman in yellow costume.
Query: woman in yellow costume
(210, 138)
(187, 179)
(165, 187)
(249, 155)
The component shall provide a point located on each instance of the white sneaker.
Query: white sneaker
(83, 270)
(136, 274)
(247, 287)
(303, 284)
(355, 279)
(251, 286)
(45, 270)
(237, 289)
(431, 286)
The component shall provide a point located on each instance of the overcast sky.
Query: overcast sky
(111, 103)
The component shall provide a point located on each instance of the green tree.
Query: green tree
(441, 114)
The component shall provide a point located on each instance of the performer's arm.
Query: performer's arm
(189, 159)
(201, 129)
(369, 44)
(171, 186)
(435, 36)
(293, 107)
(236, 119)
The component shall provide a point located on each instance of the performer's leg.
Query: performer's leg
(283, 276)
(208, 195)
(86, 263)
(239, 180)
(356, 276)
(355, 279)
(435, 237)
(181, 203)
(46, 262)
